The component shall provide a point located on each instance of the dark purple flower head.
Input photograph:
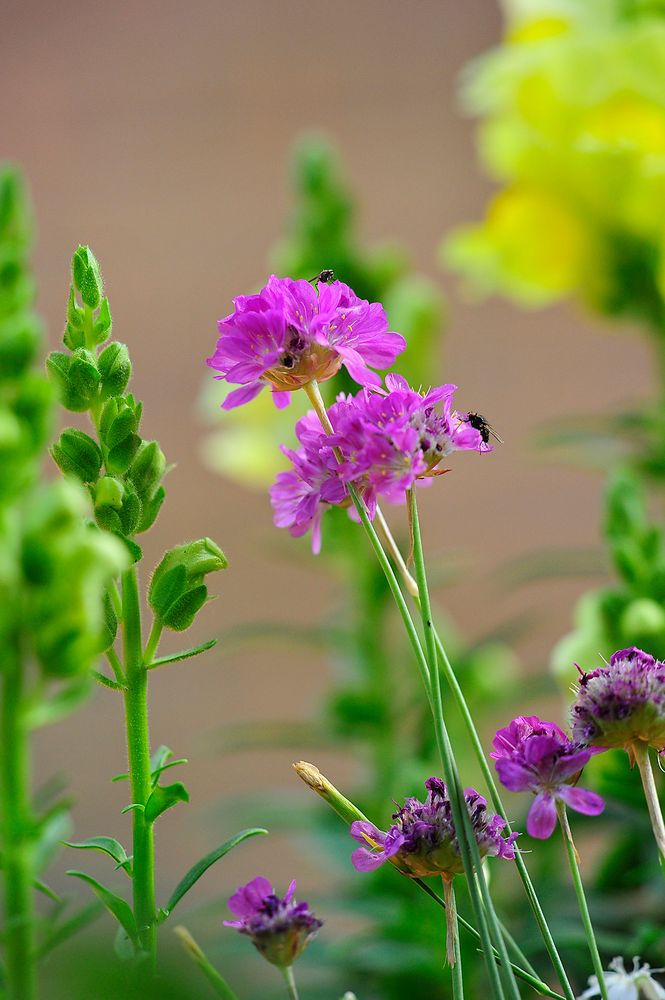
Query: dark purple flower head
(291, 333)
(622, 703)
(384, 442)
(279, 928)
(536, 756)
(422, 840)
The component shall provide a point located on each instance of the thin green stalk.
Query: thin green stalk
(152, 643)
(289, 979)
(472, 732)
(218, 983)
(472, 861)
(529, 887)
(640, 751)
(138, 749)
(453, 952)
(116, 665)
(581, 897)
(513, 946)
(20, 973)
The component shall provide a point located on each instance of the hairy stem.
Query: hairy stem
(640, 751)
(20, 970)
(138, 751)
(581, 898)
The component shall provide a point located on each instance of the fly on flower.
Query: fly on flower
(483, 426)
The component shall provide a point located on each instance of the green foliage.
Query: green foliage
(177, 590)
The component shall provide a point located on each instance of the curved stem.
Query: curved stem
(289, 979)
(581, 898)
(640, 751)
(138, 750)
(21, 981)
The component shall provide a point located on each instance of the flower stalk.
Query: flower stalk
(290, 980)
(138, 751)
(573, 862)
(640, 752)
(219, 985)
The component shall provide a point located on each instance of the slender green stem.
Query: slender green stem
(470, 852)
(453, 953)
(152, 643)
(290, 981)
(472, 732)
(581, 897)
(138, 750)
(218, 983)
(533, 980)
(16, 822)
(116, 665)
(513, 946)
(641, 753)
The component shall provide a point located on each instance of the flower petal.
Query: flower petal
(582, 800)
(541, 820)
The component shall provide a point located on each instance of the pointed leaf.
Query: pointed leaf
(163, 797)
(201, 867)
(116, 905)
(70, 927)
(46, 890)
(107, 681)
(107, 845)
(186, 654)
(159, 757)
(133, 805)
(165, 767)
(62, 704)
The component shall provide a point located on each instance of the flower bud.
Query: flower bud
(103, 323)
(115, 370)
(177, 591)
(109, 492)
(87, 277)
(147, 468)
(74, 335)
(76, 378)
(118, 426)
(19, 339)
(75, 453)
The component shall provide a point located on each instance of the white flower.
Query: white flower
(622, 985)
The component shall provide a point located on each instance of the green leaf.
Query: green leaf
(201, 867)
(61, 933)
(186, 654)
(116, 905)
(107, 845)
(163, 798)
(165, 767)
(131, 807)
(62, 704)
(46, 890)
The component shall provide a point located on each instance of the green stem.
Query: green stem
(116, 665)
(529, 887)
(20, 972)
(138, 750)
(453, 953)
(640, 750)
(290, 981)
(472, 732)
(581, 898)
(218, 983)
(469, 851)
(152, 643)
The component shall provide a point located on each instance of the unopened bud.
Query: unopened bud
(115, 370)
(75, 453)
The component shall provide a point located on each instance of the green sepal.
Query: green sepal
(182, 612)
(87, 277)
(115, 370)
(151, 509)
(106, 845)
(135, 551)
(116, 905)
(74, 335)
(19, 342)
(120, 418)
(201, 867)
(163, 797)
(103, 323)
(147, 469)
(75, 453)
(75, 377)
(186, 654)
(120, 457)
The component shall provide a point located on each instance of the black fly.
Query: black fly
(484, 428)
(325, 277)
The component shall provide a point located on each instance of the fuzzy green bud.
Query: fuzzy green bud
(147, 468)
(177, 590)
(76, 378)
(115, 370)
(109, 492)
(87, 277)
(74, 335)
(76, 454)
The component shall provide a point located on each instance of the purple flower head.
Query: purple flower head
(536, 756)
(423, 841)
(279, 928)
(291, 333)
(623, 703)
(383, 442)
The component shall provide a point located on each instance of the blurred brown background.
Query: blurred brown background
(160, 134)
